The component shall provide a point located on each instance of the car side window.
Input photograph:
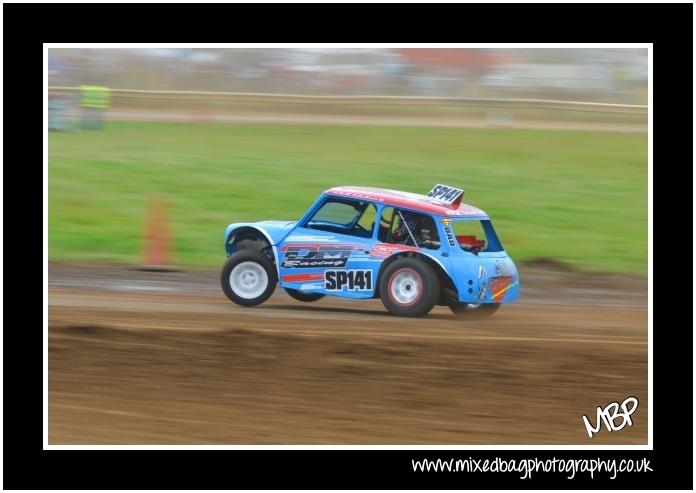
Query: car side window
(408, 228)
(344, 216)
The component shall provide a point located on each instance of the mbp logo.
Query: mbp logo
(610, 414)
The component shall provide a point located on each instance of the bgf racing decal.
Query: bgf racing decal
(303, 256)
(351, 280)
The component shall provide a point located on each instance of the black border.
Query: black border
(27, 26)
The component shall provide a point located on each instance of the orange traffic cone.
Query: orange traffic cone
(156, 255)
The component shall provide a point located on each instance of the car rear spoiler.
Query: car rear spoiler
(449, 195)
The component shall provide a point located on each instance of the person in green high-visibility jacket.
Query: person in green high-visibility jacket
(94, 100)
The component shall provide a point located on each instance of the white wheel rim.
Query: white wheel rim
(472, 306)
(405, 287)
(248, 280)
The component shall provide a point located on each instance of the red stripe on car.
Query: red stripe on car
(303, 277)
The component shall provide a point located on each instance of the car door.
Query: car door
(329, 253)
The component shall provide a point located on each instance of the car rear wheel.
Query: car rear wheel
(409, 287)
(303, 296)
(474, 310)
(248, 278)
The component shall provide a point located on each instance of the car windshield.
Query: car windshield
(336, 213)
(345, 216)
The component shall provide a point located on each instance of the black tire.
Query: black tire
(250, 298)
(473, 311)
(257, 245)
(251, 245)
(405, 278)
(306, 297)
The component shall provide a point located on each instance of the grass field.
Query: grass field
(577, 197)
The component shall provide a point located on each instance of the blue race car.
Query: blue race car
(412, 251)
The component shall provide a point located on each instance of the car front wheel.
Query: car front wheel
(248, 278)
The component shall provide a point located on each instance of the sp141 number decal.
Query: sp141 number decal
(351, 279)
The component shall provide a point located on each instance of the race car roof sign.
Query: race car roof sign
(449, 195)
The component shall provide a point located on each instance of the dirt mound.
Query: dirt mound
(188, 367)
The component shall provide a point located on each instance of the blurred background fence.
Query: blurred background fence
(137, 104)
(476, 86)
(606, 75)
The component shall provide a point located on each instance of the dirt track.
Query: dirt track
(164, 358)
